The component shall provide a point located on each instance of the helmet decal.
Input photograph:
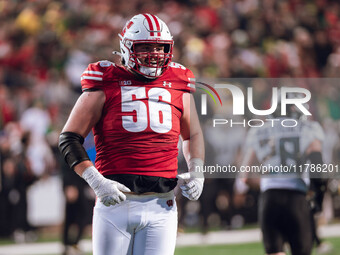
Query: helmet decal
(126, 27)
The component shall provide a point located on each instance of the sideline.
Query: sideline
(184, 239)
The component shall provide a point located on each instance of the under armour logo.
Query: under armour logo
(166, 84)
(170, 203)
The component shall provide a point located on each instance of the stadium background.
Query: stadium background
(45, 46)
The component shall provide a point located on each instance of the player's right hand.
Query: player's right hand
(109, 192)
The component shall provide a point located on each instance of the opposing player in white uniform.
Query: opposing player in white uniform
(284, 211)
(137, 112)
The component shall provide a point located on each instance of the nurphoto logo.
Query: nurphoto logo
(279, 102)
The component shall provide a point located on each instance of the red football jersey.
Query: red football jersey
(140, 124)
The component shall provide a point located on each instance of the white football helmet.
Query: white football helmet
(141, 29)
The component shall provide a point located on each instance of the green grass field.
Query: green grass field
(242, 249)
(239, 249)
(236, 249)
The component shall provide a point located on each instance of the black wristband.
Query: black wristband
(70, 145)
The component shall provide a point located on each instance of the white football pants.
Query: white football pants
(141, 225)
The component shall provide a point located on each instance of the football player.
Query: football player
(283, 209)
(137, 111)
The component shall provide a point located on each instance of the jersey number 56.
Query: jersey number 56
(158, 114)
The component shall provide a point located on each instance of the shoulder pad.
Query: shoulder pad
(185, 74)
(93, 76)
(105, 63)
(177, 65)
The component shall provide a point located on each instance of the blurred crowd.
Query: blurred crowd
(45, 46)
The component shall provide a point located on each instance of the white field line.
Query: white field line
(190, 239)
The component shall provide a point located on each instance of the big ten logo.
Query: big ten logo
(124, 83)
(281, 95)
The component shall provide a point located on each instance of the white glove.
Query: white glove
(194, 179)
(109, 192)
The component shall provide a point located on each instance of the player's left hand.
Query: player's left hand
(193, 185)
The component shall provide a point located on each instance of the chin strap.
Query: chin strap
(151, 72)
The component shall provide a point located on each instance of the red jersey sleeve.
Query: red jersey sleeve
(94, 75)
(191, 86)
(185, 75)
